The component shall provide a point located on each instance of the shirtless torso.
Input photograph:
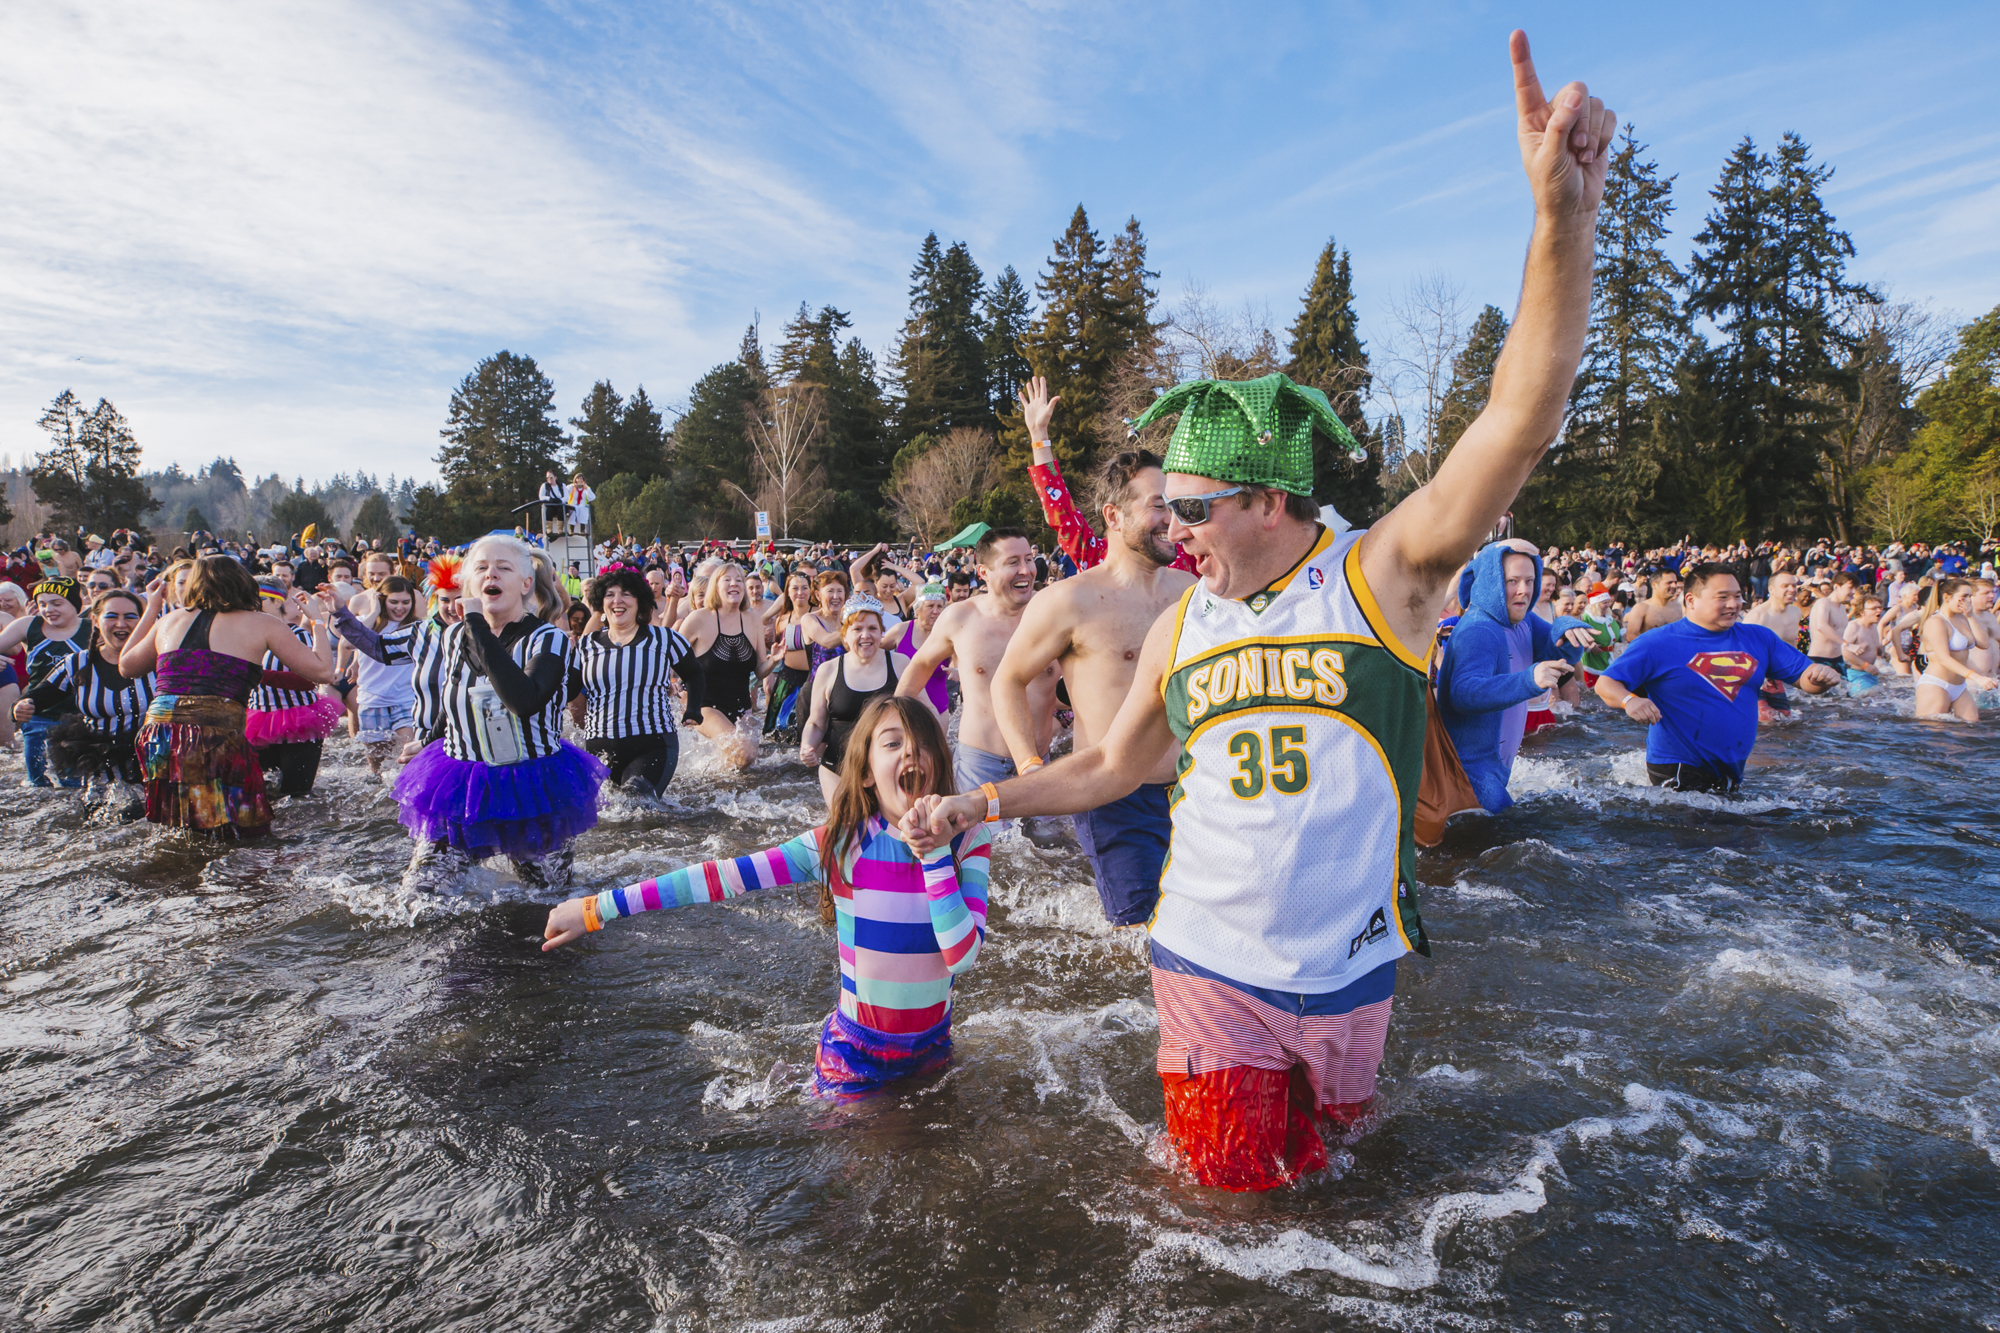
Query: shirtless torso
(1984, 658)
(1828, 624)
(1777, 612)
(1662, 608)
(973, 636)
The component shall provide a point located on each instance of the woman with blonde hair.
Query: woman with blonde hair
(502, 781)
(727, 635)
(1950, 631)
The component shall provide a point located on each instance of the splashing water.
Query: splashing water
(1679, 1062)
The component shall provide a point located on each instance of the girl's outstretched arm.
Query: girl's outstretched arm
(958, 897)
(794, 862)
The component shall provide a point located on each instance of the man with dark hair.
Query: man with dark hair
(1662, 607)
(1092, 627)
(973, 636)
(1694, 685)
(957, 586)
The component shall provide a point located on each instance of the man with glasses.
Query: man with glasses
(1293, 678)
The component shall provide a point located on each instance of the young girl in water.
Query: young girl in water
(906, 927)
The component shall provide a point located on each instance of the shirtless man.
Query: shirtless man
(973, 635)
(1779, 614)
(1827, 624)
(1861, 646)
(1093, 625)
(1662, 608)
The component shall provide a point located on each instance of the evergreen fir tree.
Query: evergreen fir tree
(856, 437)
(1600, 477)
(940, 360)
(90, 474)
(1471, 377)
(500, 437)
(1007, 312)
(1768, 271)
(1328, 354)
(711, 446)
(638, 441)
(593, 449)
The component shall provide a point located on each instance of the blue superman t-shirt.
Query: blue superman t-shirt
(1705, 684)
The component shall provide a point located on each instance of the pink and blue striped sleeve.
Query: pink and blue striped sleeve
(957, 893)
(794, 862)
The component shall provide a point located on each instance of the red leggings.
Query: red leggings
(1244, 1128)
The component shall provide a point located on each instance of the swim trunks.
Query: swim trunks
(1537, 719)
(1126, 842)
(1859, 682)
(1248, 1072)
(1834, 664)
(971, 766)
(1689, 777)
(1773, 696)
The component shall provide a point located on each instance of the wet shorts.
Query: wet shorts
(1250, 1073)
(1773, 696)
(381, 724)
(1689, 777)
(1837, 665)
(971, 766)
(1126, 842)
(1537, 719)
(1859, 682)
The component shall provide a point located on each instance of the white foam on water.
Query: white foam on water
(1480, 892)
(1450, 1074)
(390, 904)
(1049, 1035)
(1412, 1264)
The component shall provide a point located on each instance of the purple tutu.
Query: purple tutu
(523, 811)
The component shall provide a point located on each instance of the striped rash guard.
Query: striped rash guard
(906, 928)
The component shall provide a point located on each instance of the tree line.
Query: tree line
(1758, 392)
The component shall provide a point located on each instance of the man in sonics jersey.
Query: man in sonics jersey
(1293, 677)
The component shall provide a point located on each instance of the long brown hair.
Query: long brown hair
(854, 800)
(395, 583)
(221, 583)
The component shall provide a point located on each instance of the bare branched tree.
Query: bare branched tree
(961, 465)
(1979, 503)
(1899, 347)
(1897, 504)
(784, 429)
(1414, 375)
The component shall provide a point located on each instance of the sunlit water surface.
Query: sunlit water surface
(1678, 1063)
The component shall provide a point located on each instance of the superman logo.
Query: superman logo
(1728, 672)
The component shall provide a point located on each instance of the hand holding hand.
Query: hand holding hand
(1037, 408)
(1564, 139)
(565, 924)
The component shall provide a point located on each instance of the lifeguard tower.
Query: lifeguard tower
(565, 541)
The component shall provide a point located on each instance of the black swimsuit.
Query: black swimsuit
(843, 708)
(728, 667)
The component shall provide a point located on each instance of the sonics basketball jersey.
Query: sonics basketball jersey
(1301, 720)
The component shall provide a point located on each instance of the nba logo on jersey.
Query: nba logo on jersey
(1315, 578)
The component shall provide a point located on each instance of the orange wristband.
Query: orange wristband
(591, 921)
(992, 801)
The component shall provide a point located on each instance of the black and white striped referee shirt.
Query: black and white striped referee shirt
(625, 687)
(274, 699)
(427, 669)
(106, 700)
(464, 736)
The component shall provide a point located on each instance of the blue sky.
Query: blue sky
(284, 232)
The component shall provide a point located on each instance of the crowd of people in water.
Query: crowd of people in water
(1295, 704)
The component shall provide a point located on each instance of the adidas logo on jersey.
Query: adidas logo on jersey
(1378, 928)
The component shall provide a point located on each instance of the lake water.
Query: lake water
(1679, 1062)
